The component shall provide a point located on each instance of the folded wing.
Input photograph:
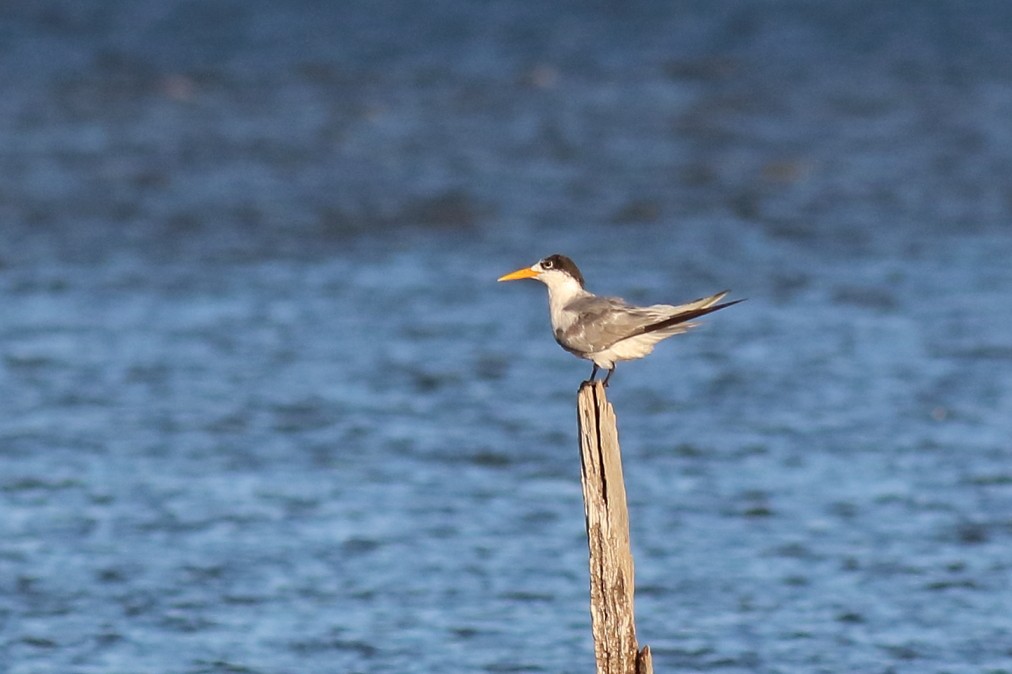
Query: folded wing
(605, 322)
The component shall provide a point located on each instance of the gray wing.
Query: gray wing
(605, 320)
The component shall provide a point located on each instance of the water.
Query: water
(266, 410)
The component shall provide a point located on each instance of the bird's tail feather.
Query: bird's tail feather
(694, 309)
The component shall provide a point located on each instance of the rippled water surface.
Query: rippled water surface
(265, 409)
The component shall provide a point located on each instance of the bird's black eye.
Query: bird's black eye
(548, 263)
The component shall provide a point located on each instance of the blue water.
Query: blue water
(265, 409)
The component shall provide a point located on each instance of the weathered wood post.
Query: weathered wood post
(611, 562)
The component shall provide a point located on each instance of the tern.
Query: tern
(606, 330)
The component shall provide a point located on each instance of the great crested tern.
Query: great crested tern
(606, 330)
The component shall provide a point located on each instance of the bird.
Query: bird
(606, 330)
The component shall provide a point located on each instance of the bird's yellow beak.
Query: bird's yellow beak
(526, 272)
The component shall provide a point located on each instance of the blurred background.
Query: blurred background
(265, 409)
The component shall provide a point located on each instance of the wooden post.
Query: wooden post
(611, 562)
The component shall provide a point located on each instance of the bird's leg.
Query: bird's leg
(608, 376)
(593, 373)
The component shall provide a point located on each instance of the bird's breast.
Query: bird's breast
(562, 321)
(566, 332)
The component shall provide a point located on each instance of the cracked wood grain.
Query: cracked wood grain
(611, 561)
